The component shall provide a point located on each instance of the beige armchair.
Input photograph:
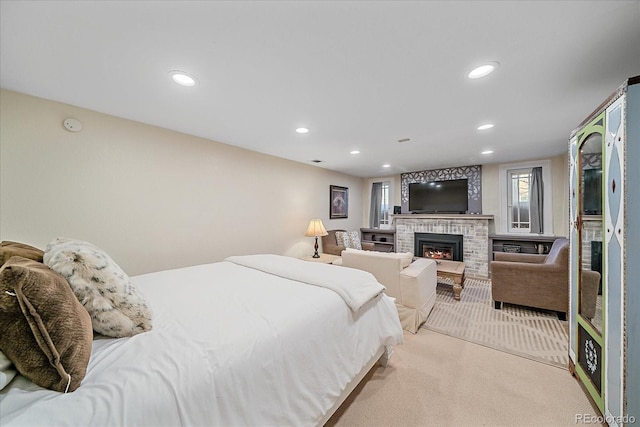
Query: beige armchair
(330, 245)
(412, 284)
(540, 281)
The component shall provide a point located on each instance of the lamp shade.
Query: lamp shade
(315, 229)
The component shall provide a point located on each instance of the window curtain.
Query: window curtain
(376, 201)
(536, 198)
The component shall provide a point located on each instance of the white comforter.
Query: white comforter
(231, 346)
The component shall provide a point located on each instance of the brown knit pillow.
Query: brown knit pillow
(44, 330)
(9, 249)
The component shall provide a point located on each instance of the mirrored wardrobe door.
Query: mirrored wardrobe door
(590, 283)
(589, 233)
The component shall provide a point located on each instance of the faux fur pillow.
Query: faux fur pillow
(116, 307)
(44, 330)
(9, 249)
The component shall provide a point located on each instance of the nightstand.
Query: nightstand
(324, 258)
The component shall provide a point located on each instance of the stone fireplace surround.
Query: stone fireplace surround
(474, 228)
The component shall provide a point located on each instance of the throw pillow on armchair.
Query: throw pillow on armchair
(348, 239)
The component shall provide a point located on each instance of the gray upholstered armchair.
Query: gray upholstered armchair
(330, 245)
(540, 281)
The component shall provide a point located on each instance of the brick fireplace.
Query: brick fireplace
(474, 230)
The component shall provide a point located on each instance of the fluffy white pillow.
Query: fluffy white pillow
(116, 307)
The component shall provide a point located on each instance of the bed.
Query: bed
(257, 340)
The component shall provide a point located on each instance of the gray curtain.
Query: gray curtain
(376, 200)
(536, 200)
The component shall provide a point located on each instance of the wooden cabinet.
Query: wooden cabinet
(383, 239)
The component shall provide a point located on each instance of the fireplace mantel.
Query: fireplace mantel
(441, 216)
(474, 228)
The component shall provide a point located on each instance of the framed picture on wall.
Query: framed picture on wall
(338, 202)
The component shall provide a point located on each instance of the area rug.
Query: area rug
(536, 335)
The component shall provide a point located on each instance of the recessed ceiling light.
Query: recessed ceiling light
(487, 152)
(355, 152)
(183, 79)
(302, 130)
(485, 126)
(483, 70)
(386, 166)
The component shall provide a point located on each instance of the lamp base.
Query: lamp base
(315, 247)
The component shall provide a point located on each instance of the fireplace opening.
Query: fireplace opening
(437, 252)
(439, 246)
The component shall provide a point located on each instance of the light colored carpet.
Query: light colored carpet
(437, 380)
(448, 379)
(535, 334)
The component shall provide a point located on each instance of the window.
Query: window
(384, 205)
(515, 185)
(379, 211)
(519, 185)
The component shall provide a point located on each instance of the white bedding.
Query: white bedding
(231, 346)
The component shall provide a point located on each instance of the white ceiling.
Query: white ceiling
(359, 74)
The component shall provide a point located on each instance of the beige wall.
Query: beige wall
(153, 198)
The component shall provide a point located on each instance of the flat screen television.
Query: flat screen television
(439, 196)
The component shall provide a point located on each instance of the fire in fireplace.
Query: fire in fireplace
(439, 246)
(437, 252)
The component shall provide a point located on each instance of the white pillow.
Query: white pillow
(7, 371)
(116, 307)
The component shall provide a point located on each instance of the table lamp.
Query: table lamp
(315, 229)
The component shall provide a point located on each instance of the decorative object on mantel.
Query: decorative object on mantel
(338, 202)
(316, 229)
